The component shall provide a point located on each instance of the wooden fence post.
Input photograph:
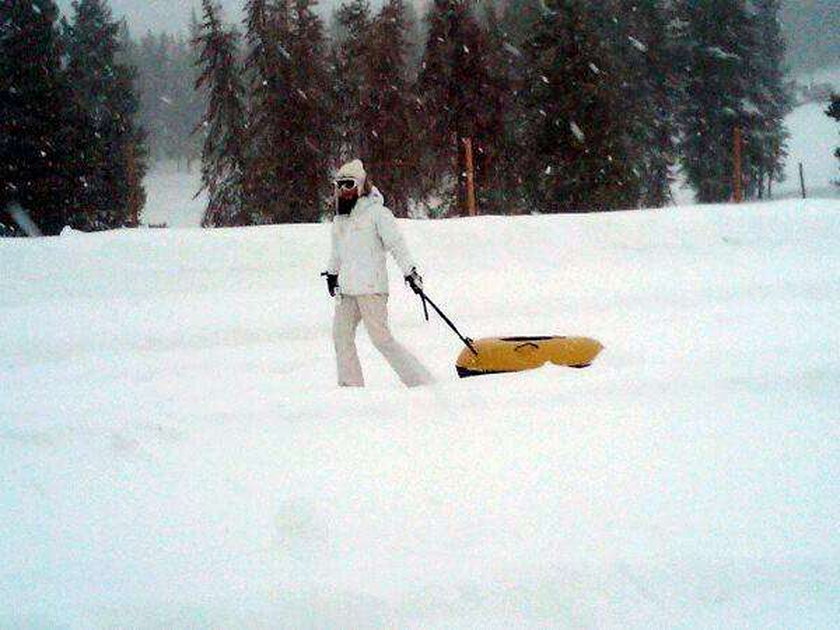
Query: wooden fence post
(738, 192)
(471, 205)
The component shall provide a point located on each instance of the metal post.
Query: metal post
(802, 180)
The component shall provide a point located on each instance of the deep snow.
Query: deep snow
(813, 138)
(174, 452)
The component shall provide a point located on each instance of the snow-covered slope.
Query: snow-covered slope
(813, 138)
(171, 197)
(830, 75)
(174, 452)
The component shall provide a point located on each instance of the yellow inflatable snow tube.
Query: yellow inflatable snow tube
(514, 354)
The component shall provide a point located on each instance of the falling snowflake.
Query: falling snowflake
(548, 170)
(544, 79)
(749, 107)
(577, 131)
(513, 50)
(637, 44)
(719, 53)
(594, 68)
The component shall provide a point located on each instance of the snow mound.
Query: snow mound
(175, 454)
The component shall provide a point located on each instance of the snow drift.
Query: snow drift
(175, 454)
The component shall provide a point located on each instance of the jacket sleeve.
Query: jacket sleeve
(334, 263)
(386, 226)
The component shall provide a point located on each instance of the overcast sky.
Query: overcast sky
(811, 25)
(160, 15)
(173, 16)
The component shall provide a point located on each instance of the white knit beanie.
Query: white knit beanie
(353, 170)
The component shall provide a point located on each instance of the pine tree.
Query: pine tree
(387, 114)
(451, 86)
(289, 113)
(223, 158)
(150, 60)
(192, 99)
(718, 44)
(766, 142)
(39, 125)
(577, 157)
(650, 93)
(498, 184)
(351, 76)
(434, 90)
(270, 179)
(103, 88)
(170, 107)
(519, 19)
(311, 121)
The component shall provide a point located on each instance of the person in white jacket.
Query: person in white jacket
(363, 230)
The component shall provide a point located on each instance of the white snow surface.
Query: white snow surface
(175, 454)
(813, 138)
(172, 196)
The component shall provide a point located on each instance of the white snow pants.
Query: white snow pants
(373, 311)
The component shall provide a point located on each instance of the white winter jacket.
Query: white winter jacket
(359, 243)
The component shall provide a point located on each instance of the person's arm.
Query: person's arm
(386, 226)
(334, 264)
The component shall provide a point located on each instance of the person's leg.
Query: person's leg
(347, 316)
(374, 312)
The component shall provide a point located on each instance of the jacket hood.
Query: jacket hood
(374, 196)
(354, 169)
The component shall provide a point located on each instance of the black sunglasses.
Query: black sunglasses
(345, 184)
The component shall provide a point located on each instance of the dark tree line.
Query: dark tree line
(570, 106)
(733, 54)
(71, 152)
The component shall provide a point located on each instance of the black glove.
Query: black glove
(332, 282)
(414, 280)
